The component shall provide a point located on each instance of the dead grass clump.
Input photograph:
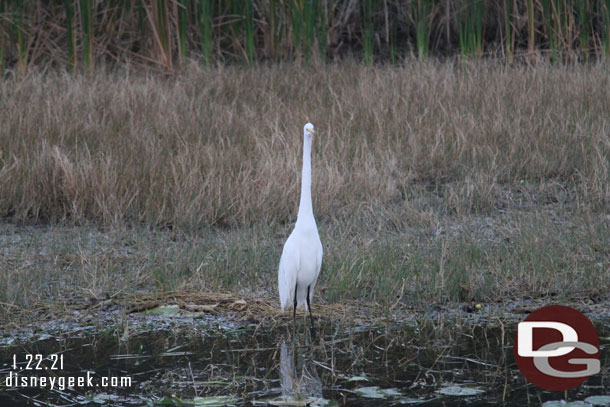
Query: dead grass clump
(196, 302)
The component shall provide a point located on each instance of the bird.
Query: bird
(301, 258)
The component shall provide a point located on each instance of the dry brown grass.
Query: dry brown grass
(223, 146)
(433, 183)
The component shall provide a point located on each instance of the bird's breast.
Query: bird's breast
(310, 258)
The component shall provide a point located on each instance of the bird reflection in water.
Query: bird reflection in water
(299, 378)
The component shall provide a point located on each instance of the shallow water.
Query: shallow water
(186, 361)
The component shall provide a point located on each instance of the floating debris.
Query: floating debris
(165, 310)
(215, 401)
(358, 379)
(375, 392)
(172, 359)
(104, 398)
(598, 400)
(301, 402)
(460, 391)
(563, 403)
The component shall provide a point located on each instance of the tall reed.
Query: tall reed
(21, 34)
(86, 14)
(471, 28)
(322, 28)
(508, 31)
(249, 31)
(205, 13)
(422, 27)
(531, 38)
(158, 17)
(547, 11)
(296, 19)
(310, 13)
(605, 9)
(270, 34)
(368, 31)
(2, 39)
(563, 19)
(583, 27)
(182, 12)
(69, 7)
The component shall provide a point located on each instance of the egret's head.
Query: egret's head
(308, 130)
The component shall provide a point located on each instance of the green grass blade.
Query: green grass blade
(508, 42)
(309, 26)
(322, 29)
(86, 14)
(547, 19)
(479, 12)
(606, 26)
(249, 32)
(69, 8)
(368, 33)
(160, 27)
(182, 28)
(19, 29)
(583, 27)
(296, 19)
(205, 28)
(3, 35)
(422, 31)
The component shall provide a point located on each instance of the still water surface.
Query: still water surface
(186, 362)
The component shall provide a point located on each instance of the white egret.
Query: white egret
(302, 255)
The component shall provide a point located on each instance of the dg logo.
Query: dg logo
(556, 348)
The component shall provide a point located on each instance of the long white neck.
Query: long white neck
(305, 206)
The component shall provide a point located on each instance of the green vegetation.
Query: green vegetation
(484, 259)
(368, 32)
(471, 28)
(86, 15)
(422, 27)
(161, 34)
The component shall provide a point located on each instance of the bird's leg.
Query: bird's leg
(310, 316)
(294, 311)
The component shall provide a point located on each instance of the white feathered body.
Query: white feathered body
(300, 265)
(302, 255)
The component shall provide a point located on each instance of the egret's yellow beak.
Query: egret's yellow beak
(311, 130)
